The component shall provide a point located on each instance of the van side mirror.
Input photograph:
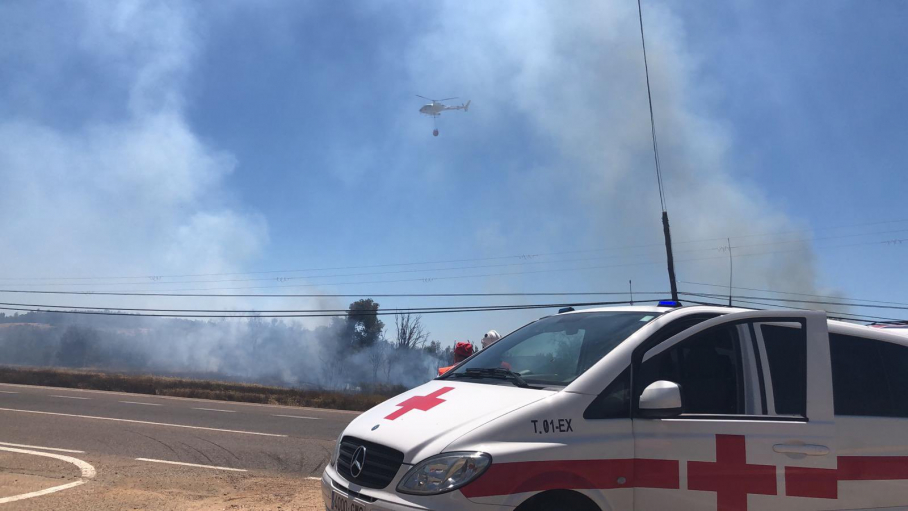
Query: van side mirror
(661, 400)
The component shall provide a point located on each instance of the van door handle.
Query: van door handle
(807, 449)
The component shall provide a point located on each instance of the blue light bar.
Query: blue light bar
(669, 303)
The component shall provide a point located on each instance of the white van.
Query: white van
(644, 408)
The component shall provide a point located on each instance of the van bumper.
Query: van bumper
(389, 500)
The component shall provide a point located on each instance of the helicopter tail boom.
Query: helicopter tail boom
(464, 107)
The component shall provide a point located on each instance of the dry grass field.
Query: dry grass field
(194, 388)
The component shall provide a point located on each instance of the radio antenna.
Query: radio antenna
(731, 271)
(666, 230)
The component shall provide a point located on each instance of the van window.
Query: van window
(869, 376)
(707, 366)
(558, 352)
(614, 402)
(895, 365)
(786, 353)
(554, 350)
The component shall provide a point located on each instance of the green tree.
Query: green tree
(363, 327)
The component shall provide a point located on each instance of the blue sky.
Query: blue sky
(176, 138)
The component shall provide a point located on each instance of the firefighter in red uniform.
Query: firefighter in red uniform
(462, 351)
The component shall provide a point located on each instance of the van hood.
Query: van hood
(424, 420)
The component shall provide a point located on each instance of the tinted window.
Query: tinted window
(786, 350)
(676, 327)
(707, 366)
(895, 367)
(869, 377)
(615, 400)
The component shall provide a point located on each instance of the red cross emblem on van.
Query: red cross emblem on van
(424, 403)
(731, 477)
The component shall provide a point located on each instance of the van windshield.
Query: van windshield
(554, 350)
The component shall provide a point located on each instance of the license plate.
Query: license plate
(341, 503)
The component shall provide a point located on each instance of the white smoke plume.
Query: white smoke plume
(574, 77)
(135, 190)
(256, 350)
(130, 186)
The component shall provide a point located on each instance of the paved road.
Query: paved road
(130, 438)
(235, 435)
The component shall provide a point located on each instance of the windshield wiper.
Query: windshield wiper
(495, 372)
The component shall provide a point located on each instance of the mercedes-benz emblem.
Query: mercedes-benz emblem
(358, 461)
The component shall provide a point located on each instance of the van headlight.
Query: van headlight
(444, 473)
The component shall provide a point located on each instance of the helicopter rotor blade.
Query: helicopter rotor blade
(434, 100)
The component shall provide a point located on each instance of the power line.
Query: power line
(421, 309)
(398, 310)
(814, 229)
(319, 313)
(823, 238)
(526, 256)
(796, 300)
(457, 268)
(392, 272)
(796, 294)
(554, 270)
(839, 314)
(855, 317)
(456, 277)
(313, 315)
(327, 295)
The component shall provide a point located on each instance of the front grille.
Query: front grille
(382, 463)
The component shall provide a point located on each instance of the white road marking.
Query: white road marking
(70, 397)
(191, 465)
(299, 417)
(46, 491)
(7, 392)
(215, 410)
(42, 448)
(141, 422)
(138, 403)
(314, 478)
(87, 471)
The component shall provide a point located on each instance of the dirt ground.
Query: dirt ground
(127, 484)
(23, 473)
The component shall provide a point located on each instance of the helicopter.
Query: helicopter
(436, 107)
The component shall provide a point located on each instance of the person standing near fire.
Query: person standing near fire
(462, 351)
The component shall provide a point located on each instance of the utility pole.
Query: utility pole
(666, 229)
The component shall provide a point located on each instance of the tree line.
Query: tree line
(407, 350)
(356, 351)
